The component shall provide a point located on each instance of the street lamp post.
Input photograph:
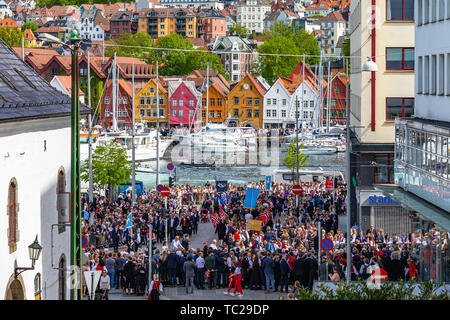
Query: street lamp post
(75, 199)
(368, 66)
(34, 251)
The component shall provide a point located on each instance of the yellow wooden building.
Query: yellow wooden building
(245, 102)
(145, 103)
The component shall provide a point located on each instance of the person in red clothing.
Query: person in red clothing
(413, 274)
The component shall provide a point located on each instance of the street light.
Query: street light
(34, 251)
(75, 199)
(368, 66)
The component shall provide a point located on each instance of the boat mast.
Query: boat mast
(207, 94)
(157, 125)
(114, 122)
(133, 152)
(91, 192)
(328, 96)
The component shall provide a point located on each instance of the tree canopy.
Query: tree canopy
(239, 30)
(139, 39)
(29, 25)
(110, 166)
(51, 3)
(285, 40)
(12, 36)
(290, 160)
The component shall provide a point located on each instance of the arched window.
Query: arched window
(37, 286)
(13, 208)
(62, 200)
(62, 278)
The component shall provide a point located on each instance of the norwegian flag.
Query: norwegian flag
(265, 215)
(215, 220)
(221, 213)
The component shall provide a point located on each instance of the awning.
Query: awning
(424, 209)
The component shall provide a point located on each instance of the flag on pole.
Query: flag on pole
(221, 213)
(215, 220)
(128, 223)
(251, 195)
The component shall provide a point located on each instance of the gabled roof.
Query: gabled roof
(8, 23)
(258, 85)
(49, 29)
(66, 83)
(323, 5)
(29, 35)
(64, 61)
(24, 94)
(334, 16)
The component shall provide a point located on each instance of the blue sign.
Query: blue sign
(251, 195)
(83, 241)
(170, 166)
(159, 187)
(326, 244)
(381, 200)
(222, 186)
(268, 182)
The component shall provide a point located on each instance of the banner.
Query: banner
(222, 186)
(254, 225)
(268, 182)
(251, 195)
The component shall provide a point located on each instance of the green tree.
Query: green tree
(175, 62)
(12, 36)
(346, 52)
(285, 41)
(29, 25)
(290, 160)
(238, 30)
(139, 39)
(110, 166)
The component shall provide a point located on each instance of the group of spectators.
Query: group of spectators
(282, 256)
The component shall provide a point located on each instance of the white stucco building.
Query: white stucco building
(35, 137)
(277, 106)
(251, 14)
(309, 110)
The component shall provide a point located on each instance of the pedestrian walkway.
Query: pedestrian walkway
(179, 293)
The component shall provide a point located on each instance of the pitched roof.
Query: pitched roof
(49, 29)
(334, 16)
(258, 85)
(29, 35)
(323, 5)
(66, 82)
(24, 94)
(9, 23)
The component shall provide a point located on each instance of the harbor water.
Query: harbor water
(237, 175)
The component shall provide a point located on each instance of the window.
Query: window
(305, 114)
(256, 101)
(420, 76)
(161, 112)
(400, 10)
(274, 113)
(180, 112)
(249, 101)
(174, 113)
(268, 113)
(433, 75)
(191, 113)
(441, 9)
(219, 102)
(310, 114)
(284, 102)
(124, 100)
(37, 286)
(142, 113)
(149, 112)
(107, 113)
(283, 113)
(191, 103)
(236, 100)
(448, 68)
(426, 83)
(204, 114)
(399, 58)
(181, 103)
(427, 12)
(433, 11)
(274, 101)
(174, 103)
(106, 100)
(149, 100)
(154, 112)
(152, 90)
(235, 112)
(154, 100)
(268, 101)
(13, 232)
(212, 102)
(161, 100)
(204, 102)
(384, 168)
(249, 113)
(399, 108)
(141, 100)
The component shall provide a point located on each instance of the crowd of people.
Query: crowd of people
(281, 256)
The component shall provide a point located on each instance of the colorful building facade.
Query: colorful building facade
(145, 108)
